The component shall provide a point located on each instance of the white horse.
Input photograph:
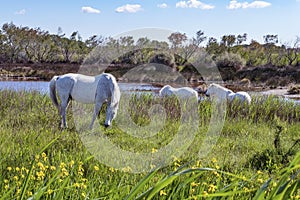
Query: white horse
(224, 93)
(184, 92)
(86, 89)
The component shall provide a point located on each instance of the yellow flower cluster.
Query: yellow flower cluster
(43, 171)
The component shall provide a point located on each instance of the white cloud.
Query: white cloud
(255, 4)
(163, 5)
(21, 12)
(130, 8)
(193, 4)
(87, 9)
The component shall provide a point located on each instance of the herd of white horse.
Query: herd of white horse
(104, 89)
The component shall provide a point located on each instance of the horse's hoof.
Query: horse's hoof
(106, 125)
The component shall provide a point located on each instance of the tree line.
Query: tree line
(32, 45)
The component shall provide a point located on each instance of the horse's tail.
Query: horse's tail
(53, 91)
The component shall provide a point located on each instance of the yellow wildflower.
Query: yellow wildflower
(84, 180)
(49, 191)
(41, 166)
(44, 156)
(17, 169)
(9, 168)
(193, 184)
(37, 157)
(212, 188)
(83, 186)
(205, 193)
(29, 193)
(16, 178)
(259, 180)
(216, 173)
(153, 150)
(214, 160)
(77, 185)
(40, 175)
(112, 169)
(64, 173)
(6, 187)
(162, 193)
(83, 194)
(259, 172)
(80, 169)
(5, 181)
(96, 168)
(72, 162)
(62, 165)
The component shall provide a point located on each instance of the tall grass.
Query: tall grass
(38, 160)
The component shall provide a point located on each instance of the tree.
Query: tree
(292, 50)
(11, 44)
(228, 40)
(241, 38)
(270, 47)
(193, 46)
(177, 39)
(68, 46)
(270, 39)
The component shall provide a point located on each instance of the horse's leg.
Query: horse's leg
(64, 106)
(108, 115)
(97, 108)
(65, 99)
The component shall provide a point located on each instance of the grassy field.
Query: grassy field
(255, 157)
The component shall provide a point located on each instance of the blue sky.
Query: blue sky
(109, 18)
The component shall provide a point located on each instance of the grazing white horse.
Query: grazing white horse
(184, 92)
(224, 93)
(86, 89)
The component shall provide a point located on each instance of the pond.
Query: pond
(43, 87)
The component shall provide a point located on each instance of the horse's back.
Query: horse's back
(81, 88)
(243, 96)
(187, 92)
(184, 92)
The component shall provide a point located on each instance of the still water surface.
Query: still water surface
(43, 87)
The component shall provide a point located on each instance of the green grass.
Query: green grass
(38, 160)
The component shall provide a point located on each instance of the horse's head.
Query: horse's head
(110, 115)
(211, 90)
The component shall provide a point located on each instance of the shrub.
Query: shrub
(230, 60)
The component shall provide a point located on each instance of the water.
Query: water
(43, 87)
(40, 86)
